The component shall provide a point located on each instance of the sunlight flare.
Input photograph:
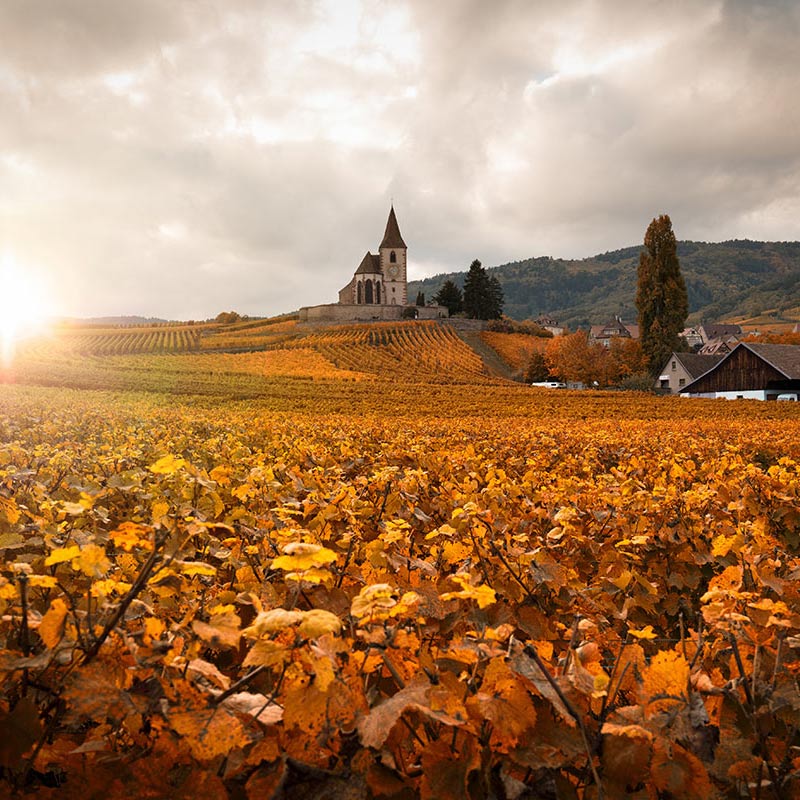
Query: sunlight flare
(24, 306)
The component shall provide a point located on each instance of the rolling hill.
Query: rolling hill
(739, 278)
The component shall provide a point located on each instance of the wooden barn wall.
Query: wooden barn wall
(742, 371)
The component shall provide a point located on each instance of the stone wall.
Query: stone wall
(338, 312)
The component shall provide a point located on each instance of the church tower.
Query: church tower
(392, 254)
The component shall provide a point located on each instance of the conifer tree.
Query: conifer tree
(449, 296)
(474, 290)
(483, 294)
(661, 297)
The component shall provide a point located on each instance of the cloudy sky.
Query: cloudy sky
(181, 157)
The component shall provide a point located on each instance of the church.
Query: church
(378, 289)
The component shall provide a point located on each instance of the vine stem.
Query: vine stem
(530, 651)
(139, 584)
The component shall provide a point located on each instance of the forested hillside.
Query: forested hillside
(724, 280)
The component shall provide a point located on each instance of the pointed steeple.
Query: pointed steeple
(392, 237)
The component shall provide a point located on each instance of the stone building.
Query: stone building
(378, 289)
(381, 279)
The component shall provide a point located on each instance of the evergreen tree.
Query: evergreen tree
(483, 294)
(661, 297)
(494, 299)
(450, 297)
(475, 289)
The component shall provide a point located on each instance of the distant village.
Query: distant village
(718, 364)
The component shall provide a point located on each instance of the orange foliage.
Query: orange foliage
(413, 589)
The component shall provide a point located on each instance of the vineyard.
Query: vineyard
(516, 349)
(355, 565)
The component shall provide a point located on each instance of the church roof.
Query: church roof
(370, 265)
(392, 237)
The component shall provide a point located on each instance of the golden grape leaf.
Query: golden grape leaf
(221, 631)
(318, 622)
(167, 465)
(51, 628)
(482, 594)
(377, 725)
(643, 633)
(299, 556)
(209, 732)
(667, 674)
(9, 510)
(92, 561)
(61, 554)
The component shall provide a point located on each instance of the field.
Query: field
(355, 564)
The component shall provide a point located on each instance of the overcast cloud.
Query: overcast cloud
(184, 157)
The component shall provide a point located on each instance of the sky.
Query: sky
(181, 158)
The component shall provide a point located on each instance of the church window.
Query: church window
(393, 257)
(368, 292)
(378, 292)
(359, 300)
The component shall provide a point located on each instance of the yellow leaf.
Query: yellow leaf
(159, 510)
(302, 555)
(221, 474)
(644, 633)
(197, 568)
(43, 581)
(9, 510)
(167, 465)
(318, 622)
(92, 561)
(272, 621)
(373, 603)
(51, 628)
(62, 554)
(131, 534)
(482, 594)
(313, 575)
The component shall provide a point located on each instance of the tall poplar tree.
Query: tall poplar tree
(661, 297)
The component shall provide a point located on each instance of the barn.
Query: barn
(751, 371)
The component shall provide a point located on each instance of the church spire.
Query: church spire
(392, 237)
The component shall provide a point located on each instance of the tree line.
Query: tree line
(482, 297)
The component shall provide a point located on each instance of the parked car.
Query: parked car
(789, 397)
(550, 385)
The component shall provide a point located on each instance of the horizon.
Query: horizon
(173, 161)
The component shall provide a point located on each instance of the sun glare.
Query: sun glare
(24, 306)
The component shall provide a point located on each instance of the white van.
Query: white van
(790, 397)
(550, 385)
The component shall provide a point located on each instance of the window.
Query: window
(682, 382)
(664, 383)
(392, 257)
(673, 365)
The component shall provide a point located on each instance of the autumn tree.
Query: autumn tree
(450, 296)
(537, 368)
(625, 359)
(661, 297)
(576, 358)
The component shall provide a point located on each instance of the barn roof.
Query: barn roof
(783, 358)
(696, 364)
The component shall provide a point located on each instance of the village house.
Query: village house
(683, 368)
(616, 328)
(378, 289)
(693, 337)
(549, 324)
(751, 372)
